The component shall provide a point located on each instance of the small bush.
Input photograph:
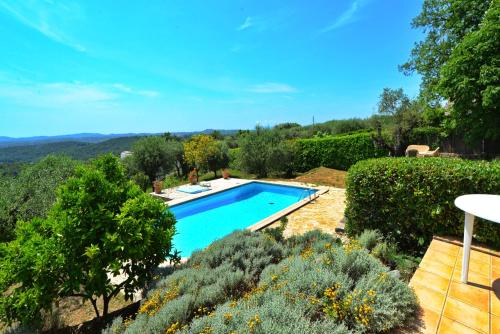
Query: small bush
(369, 239)
(234, 158)
(410, 200)
(325, 289)
(223, 271)
(277, 232)
(339, 152)
(372, 240)
(142, 180)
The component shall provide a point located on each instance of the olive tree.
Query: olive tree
(153, 156)
(406, 115)
(265, 151)
(101, 226)
(33, 192)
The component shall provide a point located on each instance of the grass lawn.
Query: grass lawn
(324, 176)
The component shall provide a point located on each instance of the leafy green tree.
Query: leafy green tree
(405, 113)
(254, 151)
(218, 157)
(171, 137)
(153, 156)
(471, 80)
(280, 160)
(217, 135)
(101, 226)
(32, 193)
(205, 153)
(445, 23)
(265, 151)
(181, 167)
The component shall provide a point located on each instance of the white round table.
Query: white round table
(476, 205)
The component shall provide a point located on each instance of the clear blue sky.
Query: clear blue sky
(155, 66)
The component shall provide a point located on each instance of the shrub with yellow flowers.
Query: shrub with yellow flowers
(319, 286)
(352, 292)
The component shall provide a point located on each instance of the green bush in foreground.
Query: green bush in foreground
(101, 225)
(409, 200)
(339, 152)
(237, 285)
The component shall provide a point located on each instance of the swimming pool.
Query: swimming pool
(203, 220)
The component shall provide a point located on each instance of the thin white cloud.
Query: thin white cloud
(249, 21)
(148, 93)
(67, 94)
(127, 89)
(54, 95)
(236, 49)
(272, 87)
(261, 23)
(348, 16)
(48, 18)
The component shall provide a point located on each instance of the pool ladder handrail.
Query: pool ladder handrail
(308, 194)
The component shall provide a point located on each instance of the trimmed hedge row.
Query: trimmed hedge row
(339, 152)
(409, 200)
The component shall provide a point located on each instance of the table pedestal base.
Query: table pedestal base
(468, 229)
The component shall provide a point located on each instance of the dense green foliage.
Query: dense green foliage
(206, 153)
(339, 152)
(265, 151)
(387, 252)
(224, 271)
(427, 135)
(31, 193)
(320, 287)
(458, 61)
(73, 149)
(153, 156)
(100, 226)
(406, 115)
(471, 79)
(410, 200)
(445, 23)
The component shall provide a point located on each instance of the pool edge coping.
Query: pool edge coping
(286, 211)
(184, 200)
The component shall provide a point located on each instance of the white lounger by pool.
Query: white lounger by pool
(192, 189)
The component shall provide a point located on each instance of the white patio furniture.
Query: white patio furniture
(476, 205)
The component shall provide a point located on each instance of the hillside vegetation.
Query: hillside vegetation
(73, 149)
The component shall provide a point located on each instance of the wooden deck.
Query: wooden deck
(449, 306)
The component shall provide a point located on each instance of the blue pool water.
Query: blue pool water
(201, 221)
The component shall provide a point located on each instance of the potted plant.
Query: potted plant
(225, 174)
(193, 177)
(158, 186)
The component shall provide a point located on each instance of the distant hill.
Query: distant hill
(78, 137)
(80, 146)
(91, 137)
(75, 149)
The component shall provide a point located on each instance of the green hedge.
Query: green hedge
(409, 199)
(339, 152)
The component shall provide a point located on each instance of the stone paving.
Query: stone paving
(324, 214)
